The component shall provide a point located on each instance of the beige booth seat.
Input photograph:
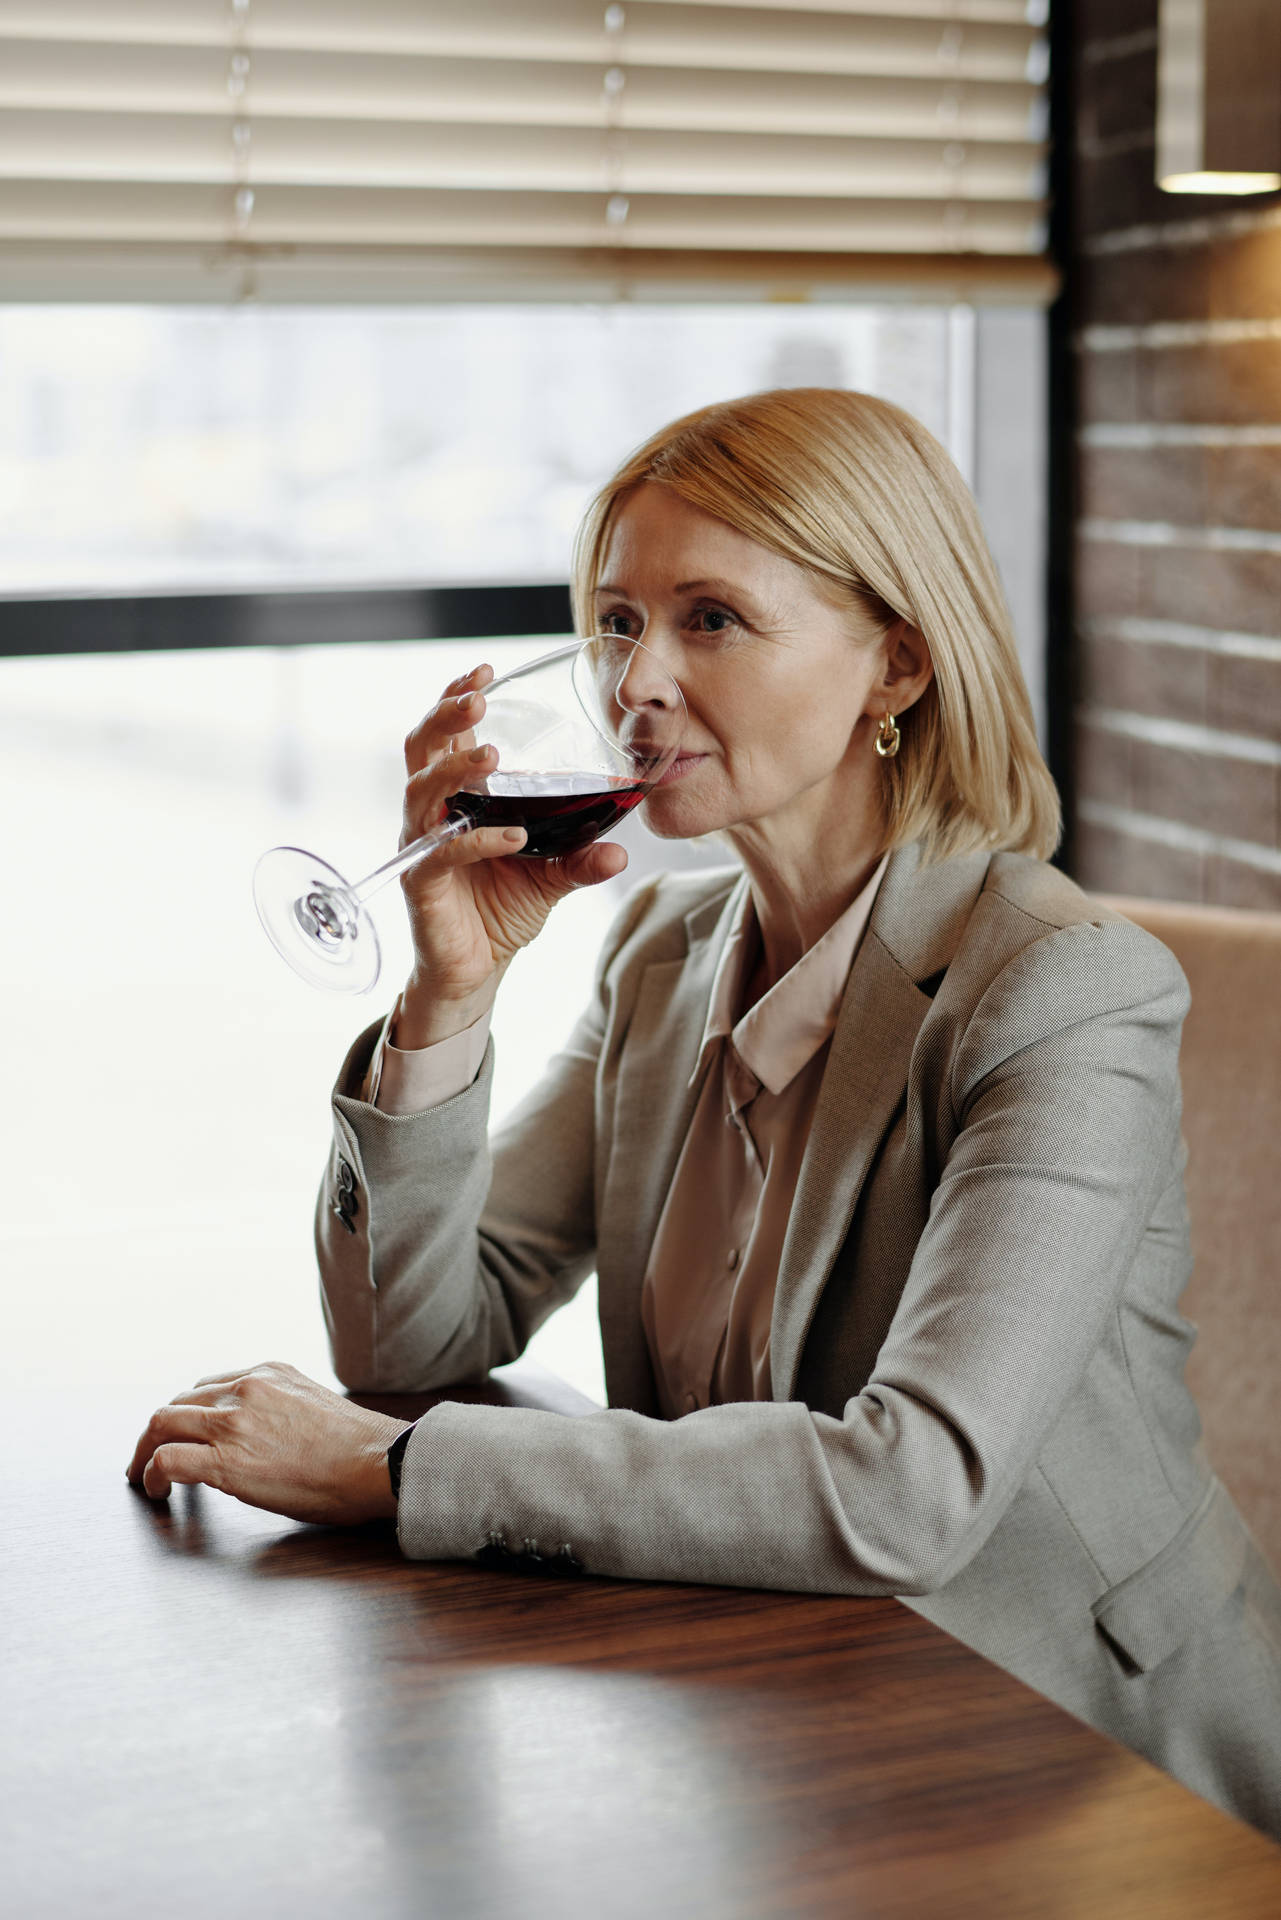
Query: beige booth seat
(1231, 1071)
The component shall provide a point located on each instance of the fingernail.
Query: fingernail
(478, 753)
(513, 834)
(465, 699)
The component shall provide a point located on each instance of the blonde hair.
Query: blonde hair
(861, 496)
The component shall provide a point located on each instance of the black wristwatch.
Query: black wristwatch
(396, 1458)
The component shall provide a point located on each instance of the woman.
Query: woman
(873, 1141)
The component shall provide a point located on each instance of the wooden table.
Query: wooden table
(208, 1710)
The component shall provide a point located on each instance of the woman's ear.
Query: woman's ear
(908, 665)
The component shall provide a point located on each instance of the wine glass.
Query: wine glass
(582, 735)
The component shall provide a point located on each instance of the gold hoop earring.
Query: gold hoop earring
(888, 737)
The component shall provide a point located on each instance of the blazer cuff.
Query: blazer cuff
(450, 1505)
(403, 1080)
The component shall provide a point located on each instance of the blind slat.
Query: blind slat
(155, 148)
(772, 39)
(167, 272)
(293, 20)
(31, 210)
(1004, 12)
(104, 76)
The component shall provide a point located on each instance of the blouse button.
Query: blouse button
(732, 1261)
(691, 1403)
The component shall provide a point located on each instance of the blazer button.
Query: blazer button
(346, 1178)
(338, 1213)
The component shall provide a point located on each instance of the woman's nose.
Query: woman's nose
(643, 682)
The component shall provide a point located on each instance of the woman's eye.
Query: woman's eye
(620, 623)
(714, 619)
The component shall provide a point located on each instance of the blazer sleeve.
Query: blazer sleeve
(1065, 1091)
(441, 1252)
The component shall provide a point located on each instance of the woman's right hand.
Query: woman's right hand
(472, 905)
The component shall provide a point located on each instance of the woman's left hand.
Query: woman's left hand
(274, 1439)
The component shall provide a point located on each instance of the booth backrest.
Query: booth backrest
(1231, 1071)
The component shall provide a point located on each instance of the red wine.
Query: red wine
(560, 812)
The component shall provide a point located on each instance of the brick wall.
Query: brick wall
(1177, 316)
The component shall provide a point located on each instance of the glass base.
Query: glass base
(312, 920)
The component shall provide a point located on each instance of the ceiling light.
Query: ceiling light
(1218, 124)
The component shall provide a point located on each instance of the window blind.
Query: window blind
(316, 149)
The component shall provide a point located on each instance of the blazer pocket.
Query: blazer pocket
(1155, 1609)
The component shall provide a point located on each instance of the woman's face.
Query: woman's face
(778, 680)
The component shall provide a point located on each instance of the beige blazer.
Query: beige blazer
(977, 1350)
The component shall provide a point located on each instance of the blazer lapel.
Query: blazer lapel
(916, 926)
(654, 1107)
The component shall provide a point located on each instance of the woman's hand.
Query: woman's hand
(473, 905)
(274, 1439)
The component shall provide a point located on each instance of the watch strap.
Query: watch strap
(396, 1457)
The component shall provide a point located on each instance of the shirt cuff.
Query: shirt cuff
(411, 1080)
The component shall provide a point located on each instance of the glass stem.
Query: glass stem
(410, 856)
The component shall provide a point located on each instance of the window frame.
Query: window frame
(32, 625)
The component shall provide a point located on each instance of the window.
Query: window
(193, 448)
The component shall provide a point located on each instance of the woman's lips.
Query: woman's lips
(680, 767)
